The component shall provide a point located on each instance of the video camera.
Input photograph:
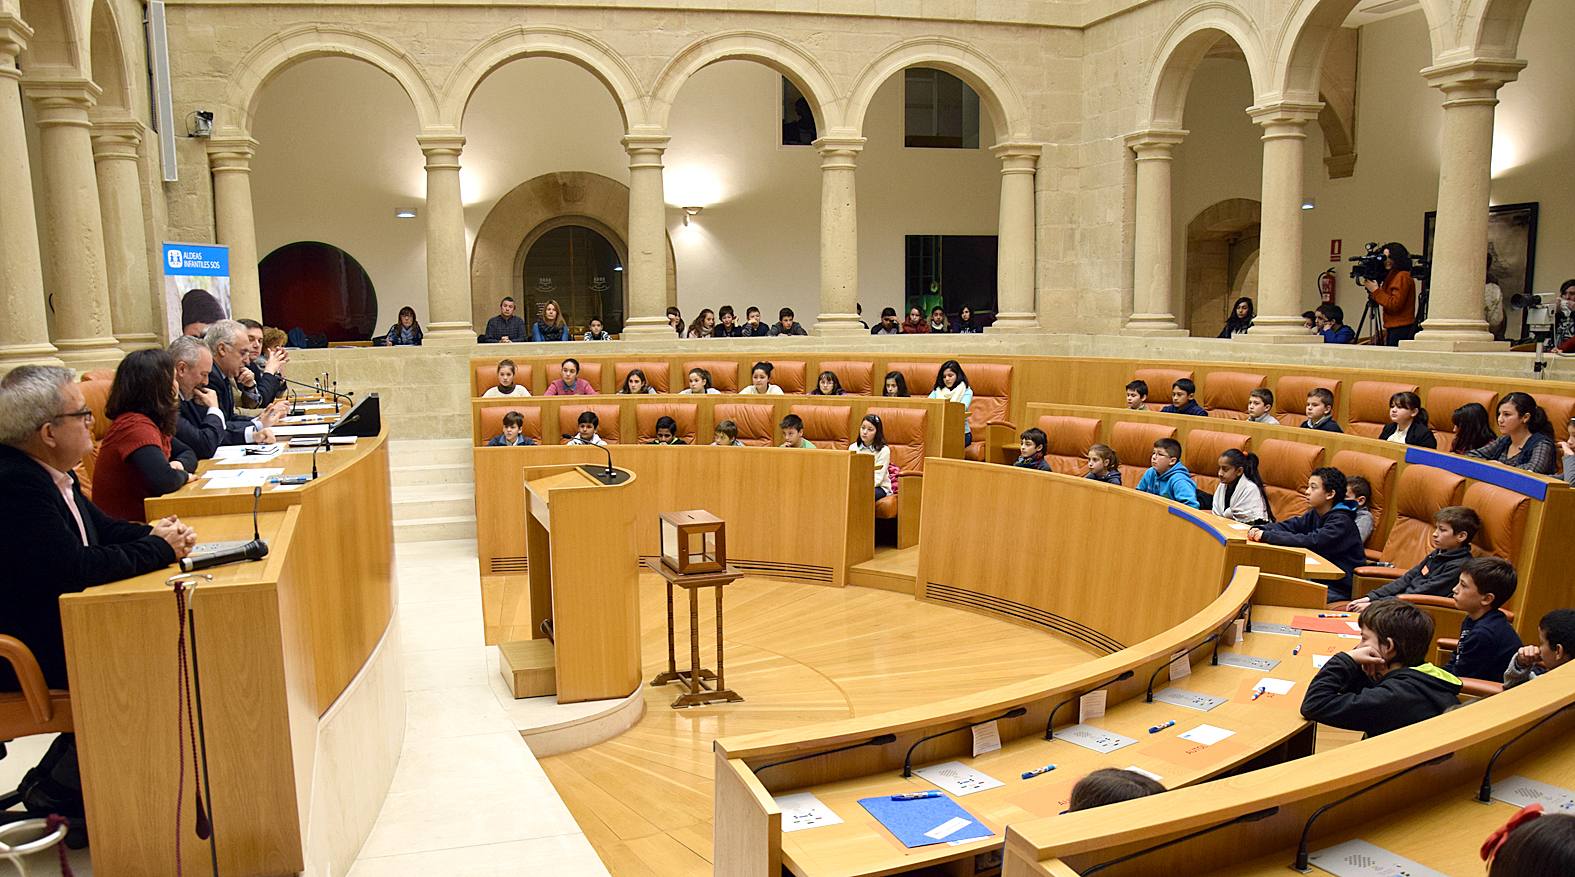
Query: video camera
(1370, 266)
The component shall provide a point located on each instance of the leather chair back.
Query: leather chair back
(686, 414)
(724, 377)
(1290, 397)
(1201, 454)
(1134, 444)
(492, 423)
(827, 426)
(1225, 394)
(568, 422)
(95, 394)
(1420, 492)
(1441, 403)
(857, 376)
(1369, 411)
(97, 374)
(1285, 466)
(757, 424)
(590, 372)
(1559, 410)
(919, 375)
(1380, 473)
(1067, 442)
(485, 376)
(655, 372)
(905, 430)
(787, 374)
(1159, 381)
(1503, 514)
(992, 399)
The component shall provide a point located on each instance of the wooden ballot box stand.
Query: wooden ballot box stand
(584, 580)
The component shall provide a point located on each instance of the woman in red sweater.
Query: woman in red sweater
(135, 458)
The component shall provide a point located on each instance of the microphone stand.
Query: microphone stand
(1301, 863)
(907, 760)
(1485, 793)
(1050, 722)
(1214, 660)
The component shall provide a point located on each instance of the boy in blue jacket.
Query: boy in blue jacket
(1167, 477)
(1182, 401)
(1328, 528)
(1487, 641)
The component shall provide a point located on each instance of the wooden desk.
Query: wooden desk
(1315, 567)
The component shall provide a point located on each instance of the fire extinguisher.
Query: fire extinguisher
(1326, 282)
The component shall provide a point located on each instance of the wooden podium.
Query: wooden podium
(584, 581)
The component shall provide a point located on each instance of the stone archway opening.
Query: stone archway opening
(573, 261)
(1222, 262)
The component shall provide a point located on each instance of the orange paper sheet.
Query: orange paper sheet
(1325, 625)
(1043, 796)
(1175, 750)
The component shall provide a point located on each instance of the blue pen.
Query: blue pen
(1157, 728)
(1258, 692)
(1030, 774)
(918, 796)
(1333, 615)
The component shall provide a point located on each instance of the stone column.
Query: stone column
(1016, 308)
(230, 161)
(24, 327)
(646, 274)
(115, 151)
(839, 237)
(1454, 317)
(448, 263)
(72, 225)
(1153, 263)
(1282, 290)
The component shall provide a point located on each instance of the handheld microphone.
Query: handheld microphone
(608, 476)
(256, 549)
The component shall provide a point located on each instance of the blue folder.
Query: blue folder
(909, 820)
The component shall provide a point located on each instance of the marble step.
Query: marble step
(431, 529)
(428, 452)
(433, 501)
(429, 474)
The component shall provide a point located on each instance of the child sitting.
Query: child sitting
(1328, 528)
(1555, 647)
(1359, 492)
(760, 381)
(1167, 476)
(1260, 406)
(1320, 411)
(596, 332)
(513, 434)
(1182, 401)
(586, 435)
(1385, 682)
(506, 385)
(725, 435)
(1137, 396)
(1103, 464)
(1453, 529)
(1110, 785)
(1487, 641)
(1240, 496)
(827, 385)
(667, 431)
(793, 432)
(1031, 450)
(872, 441)
(569, 382)
(699, 383)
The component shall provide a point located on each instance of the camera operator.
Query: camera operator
(1564, 318)
(1396, 294)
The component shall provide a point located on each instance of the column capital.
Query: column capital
(118, 139)
(1473, 80)
(62, 99)
(1155, 143)
(231, 154)
(442, 151)
(839, 153)
(14, 35)
(647, 144)
(1017, 158)
(1285, 118)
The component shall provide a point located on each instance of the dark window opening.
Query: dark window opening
(319, 289)
(951, 271)
(798, 120)
(581, 271)
(940, 111)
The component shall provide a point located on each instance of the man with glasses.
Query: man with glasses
(227, 342)
(57, 542)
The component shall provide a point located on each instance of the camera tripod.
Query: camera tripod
(1372, 311)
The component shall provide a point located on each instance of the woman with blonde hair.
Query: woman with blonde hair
(551, 326)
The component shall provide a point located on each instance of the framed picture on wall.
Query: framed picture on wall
(1512, 246)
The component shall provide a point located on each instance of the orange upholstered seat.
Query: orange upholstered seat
(590, 372)
(655, 372)
(905, 430)
(569, 415)
(1380, 473)
(757, 424)
(1067, 442)
(1201, 454)
(1369, 412)
(1134, 444)
(1420, 492)
(492, 423)
(826, 426)
(1285, 466)
(789, 375)
(686, 414)
(1225, 394)
(919, 375)
(1159, 381)
(992, 392)
(856, 376)
(1441, 403)
(1290, 397)
(1559, 410)
(485, 376)
(724, 375)
(1503, 514)
(96, 394)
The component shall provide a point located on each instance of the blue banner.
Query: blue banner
(196, 260)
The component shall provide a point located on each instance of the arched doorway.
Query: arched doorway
(319, 289)
(573, 263)
(1222, 262)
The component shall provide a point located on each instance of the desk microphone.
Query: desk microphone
(325, 443)
(256, 549)
(320, 388)
(608, 476)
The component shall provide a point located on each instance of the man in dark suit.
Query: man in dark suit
(262, 379)
(227, 342)
(201, 425)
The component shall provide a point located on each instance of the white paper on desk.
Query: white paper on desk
(234, 483)
(1354, 626)
(244, 453)
(948, 828)
(1091, 706)
(238, 474)
(986, 738)
(958, 778)
(1208, 735)
(302, 429)
(314, 442)
(803, 810)
(1320, 660)
(301, 418)
(1278, 687)
(1180, 666)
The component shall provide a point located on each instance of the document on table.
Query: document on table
(1091, 706)
(227, 479)
(229, 455)
(1279, 687)
(958, 778)
(302, 429)
(986, 738)
(1208, 735)
(803, 810)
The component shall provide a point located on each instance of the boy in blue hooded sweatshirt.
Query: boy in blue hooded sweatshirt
(1328, 528)
(1167, 477)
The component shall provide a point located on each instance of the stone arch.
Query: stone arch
(1497, 25)
(287, 48)
(108, 59)
(543, 42)
(1300, 44)
(58, 37)
(1222, 244)
(535, 207)
(773, 51)
(1007, 109)
(1184, 46)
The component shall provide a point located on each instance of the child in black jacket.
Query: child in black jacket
(1328, 528)
(1453, 529)
(1487, 641)
(1385, 683)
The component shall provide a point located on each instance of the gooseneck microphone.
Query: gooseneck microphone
(256, 549)
(320, 389)
(608, 476)
(325, 443)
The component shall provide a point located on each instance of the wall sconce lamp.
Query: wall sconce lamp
(404, 213)
(690, 212)
(1309, 204)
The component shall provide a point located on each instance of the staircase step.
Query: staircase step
(433, 501)
(435, 528)
(441, 473)
(419, 452)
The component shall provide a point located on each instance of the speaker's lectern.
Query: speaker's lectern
(584, 587)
